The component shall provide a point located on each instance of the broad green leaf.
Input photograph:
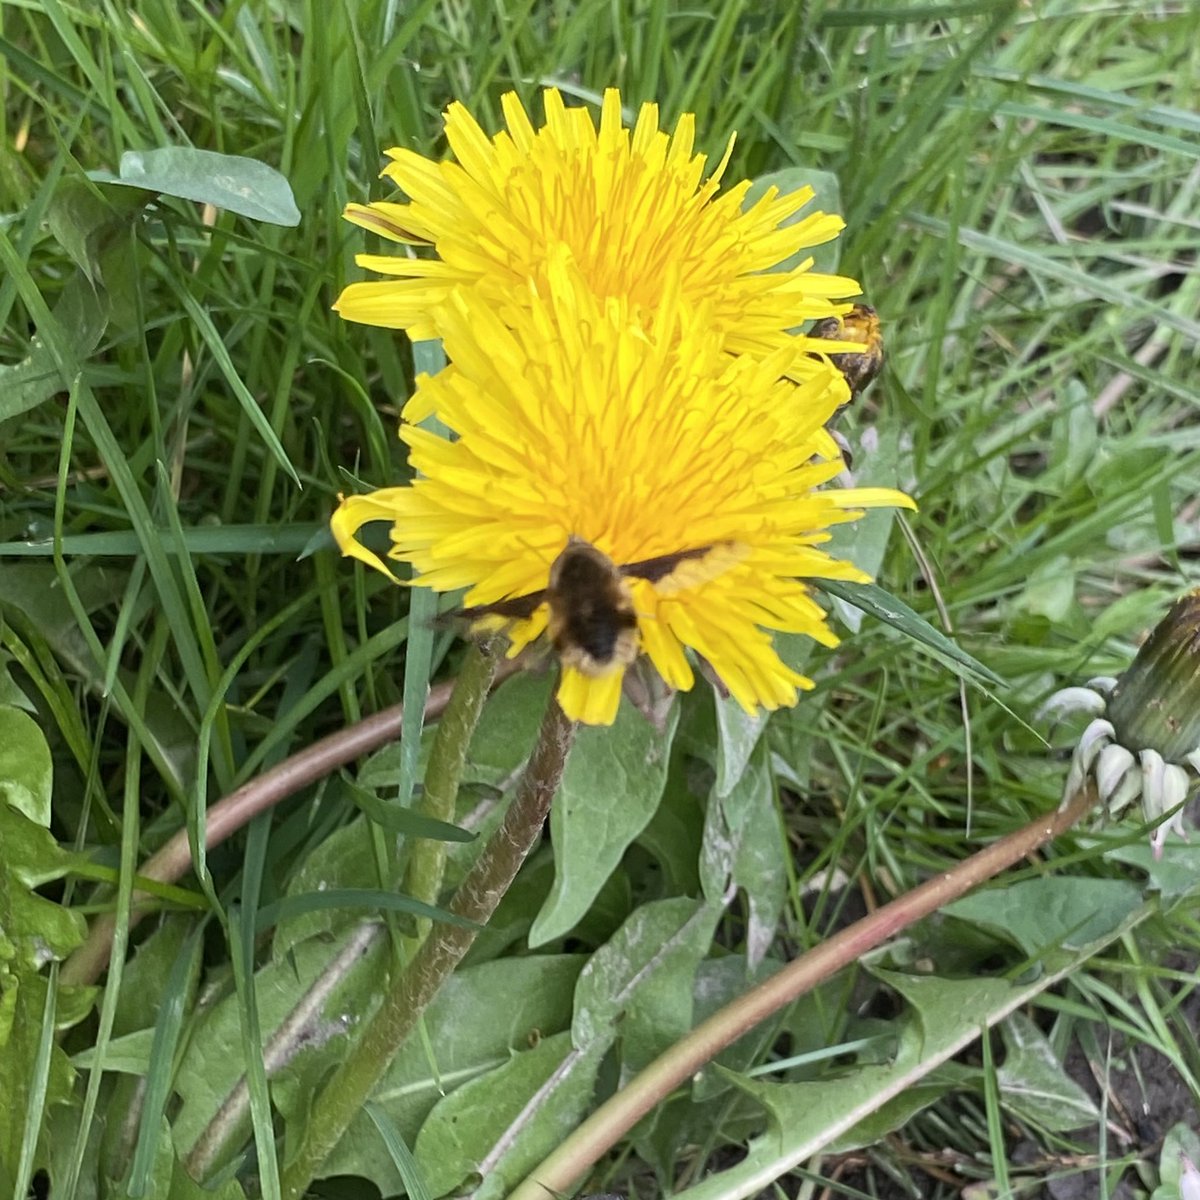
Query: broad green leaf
(82, 313)
(675, 833)
(230, 181)
(326, 892)
(26, 771)
(507, 729)
(30, 858)
(474, 1116)
(184, 1187)
(738, 733)
(34, 1072)
(660, 1009)
(88, 222)
(638, 987)
(1033, 1083)
(212, 1063)
(31, 1081)
(30, 591)
(947, 1016)
(643, 945)
(1174, 876)
(144, 978)
(900, 1109)
(1041, 914)
(807, 1117)
(613, 783)
(1049, 591)
(128, 1054)
(509, 925)
(743, 848)
(1181, 1142)
(480, 1018)
(167, 1179)
(343, 859)
(721, 980)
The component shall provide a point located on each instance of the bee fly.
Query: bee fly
(592, 623)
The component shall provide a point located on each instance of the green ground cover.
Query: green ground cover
(179, 409)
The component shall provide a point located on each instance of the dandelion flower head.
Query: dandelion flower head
(570, 418)
(629, 206)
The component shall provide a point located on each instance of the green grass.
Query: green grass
(1020, 189)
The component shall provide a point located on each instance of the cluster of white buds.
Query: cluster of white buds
(1144, 740)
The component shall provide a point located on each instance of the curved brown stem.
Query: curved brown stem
(234, 811)
(557, 1174)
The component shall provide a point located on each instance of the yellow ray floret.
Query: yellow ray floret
(629, 207)
(577, 418)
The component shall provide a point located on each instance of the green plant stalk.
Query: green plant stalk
(559, 1172)
(447, 757)
(476, 898)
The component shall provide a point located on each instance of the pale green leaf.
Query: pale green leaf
(827, 197)
(1043, 914)
(743, 848)
(1033, 1083)
(82, 313)
(474, 1116)
(612, 785)
(947, 1016)
(230, 181)
(26, 770)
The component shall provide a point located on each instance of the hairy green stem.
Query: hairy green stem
(565, 1166)
(447, 757)
(476, 898)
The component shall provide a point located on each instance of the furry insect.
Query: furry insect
(860, 324)
(592, 622)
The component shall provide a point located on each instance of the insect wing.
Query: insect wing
(519, 608)
(687, 568)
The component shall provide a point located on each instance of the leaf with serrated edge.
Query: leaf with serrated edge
(1033, 1083)
(1041, 914)
(807, 1118)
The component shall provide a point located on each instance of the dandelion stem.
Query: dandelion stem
(447, 757)
(476, 898)
(558, 1173)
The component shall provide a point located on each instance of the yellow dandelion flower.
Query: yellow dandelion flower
(630, 207)
(687, 473)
